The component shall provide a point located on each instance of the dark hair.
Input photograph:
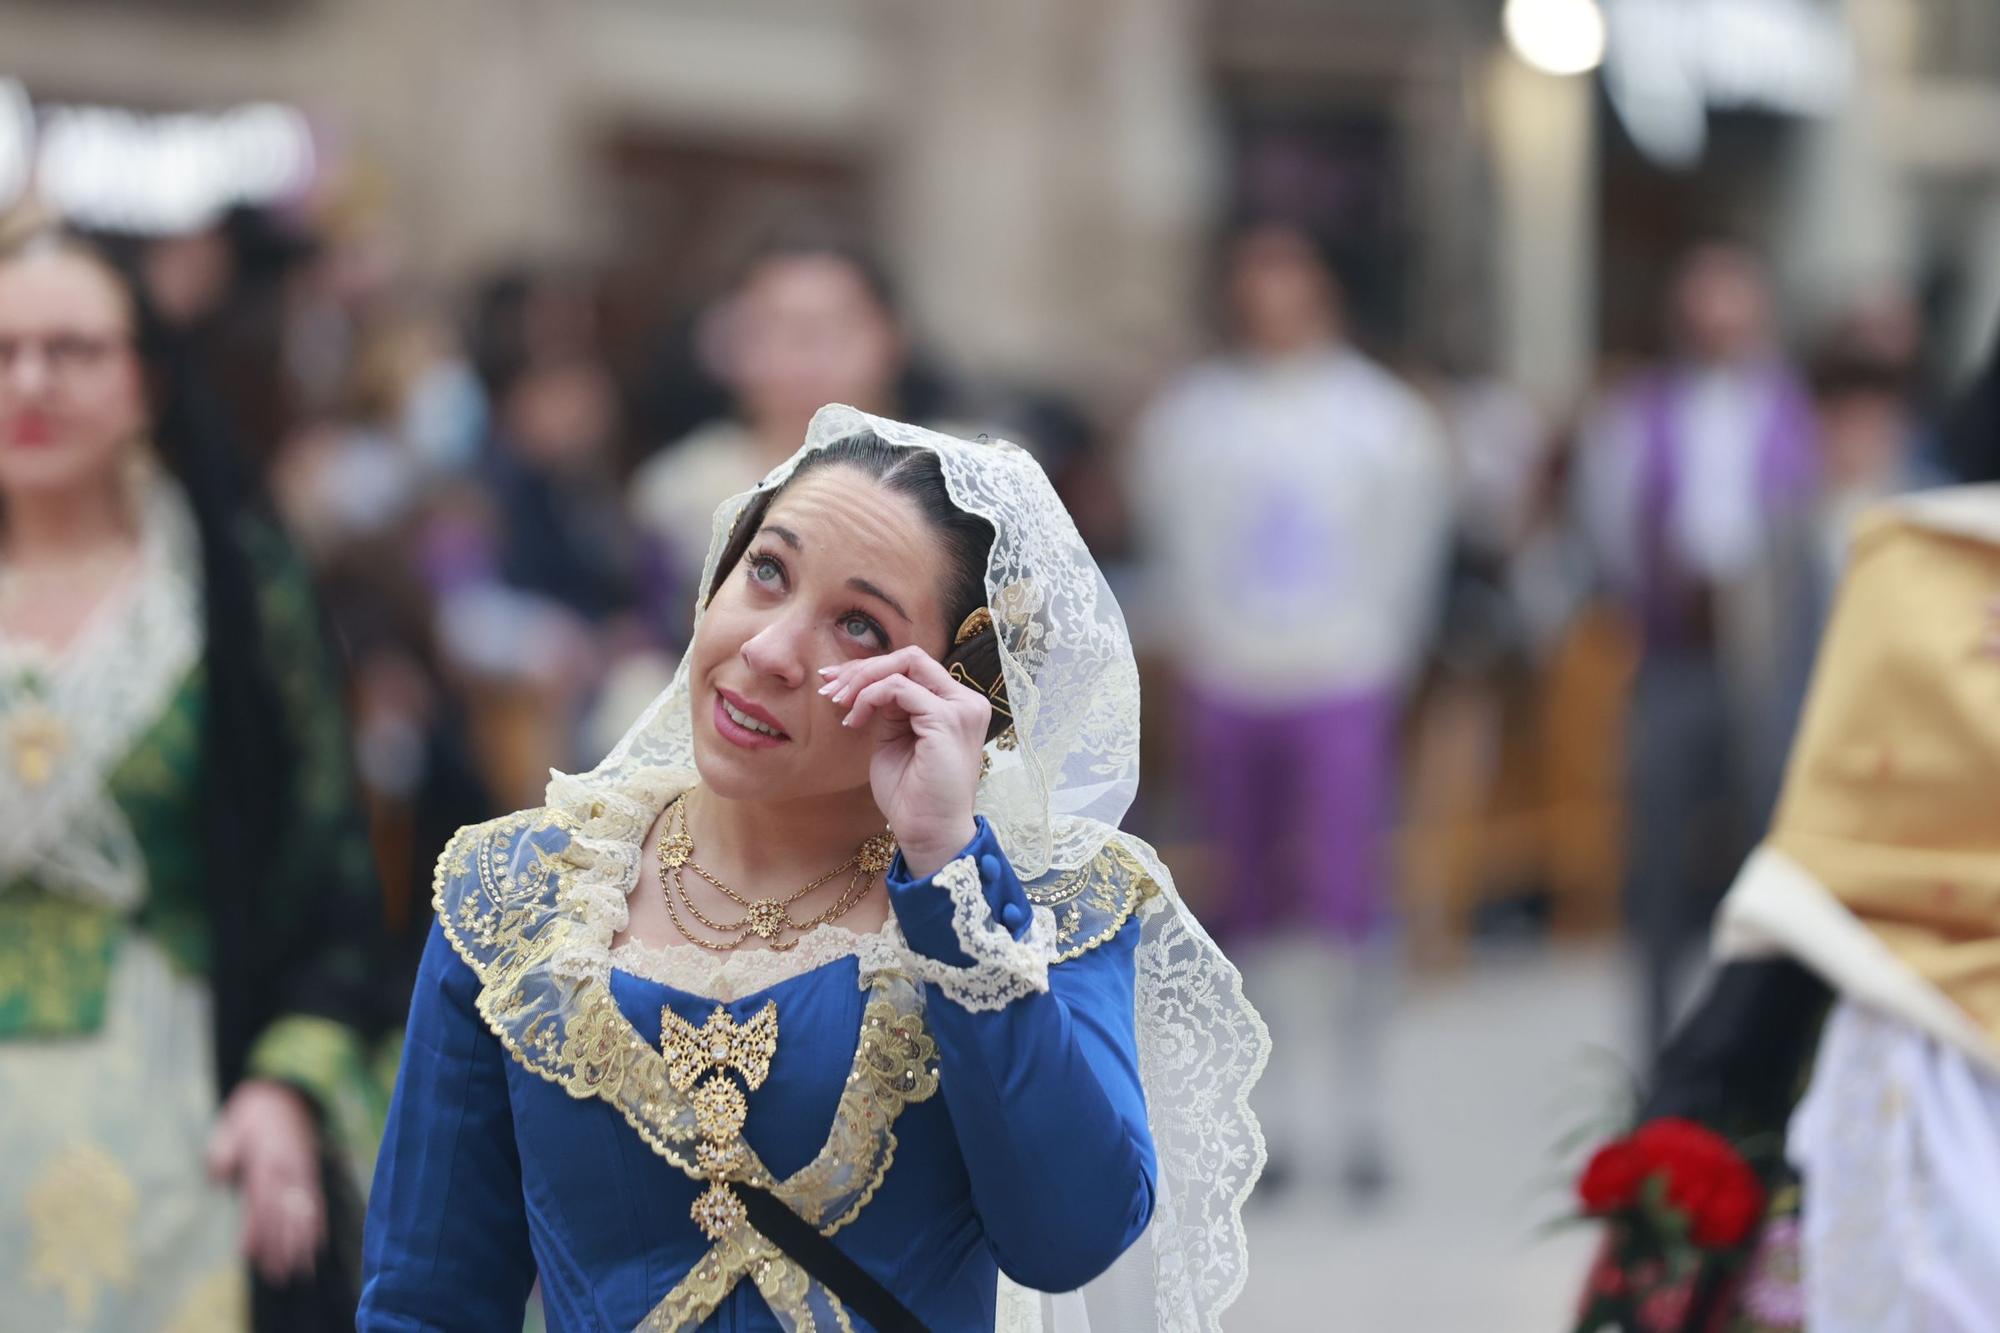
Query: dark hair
(817, 239)
(967, 538)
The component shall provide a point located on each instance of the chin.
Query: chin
(724, 774)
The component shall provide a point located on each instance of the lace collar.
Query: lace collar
(725, 977)
(69, 717)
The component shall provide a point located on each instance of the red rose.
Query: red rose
(1612, 1178)
(1706, 1180)
(1727, 1216)
(1677, 1144)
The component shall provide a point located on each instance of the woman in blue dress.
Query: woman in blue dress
(834, 998)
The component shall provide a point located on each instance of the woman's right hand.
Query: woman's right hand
(267, 1143)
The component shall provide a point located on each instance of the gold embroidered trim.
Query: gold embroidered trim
(508, 925)
(1093, 902)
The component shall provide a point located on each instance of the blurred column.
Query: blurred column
(1848, 222)
(1545, 167)
(1047, 176)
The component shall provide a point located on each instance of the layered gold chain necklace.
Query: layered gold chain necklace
(768, 919)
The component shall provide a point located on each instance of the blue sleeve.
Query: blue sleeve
(446, 1244)
(1044, 1095)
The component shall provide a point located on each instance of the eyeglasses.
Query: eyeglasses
(68, 356)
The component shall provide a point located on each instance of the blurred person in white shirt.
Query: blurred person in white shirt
(1294, 499)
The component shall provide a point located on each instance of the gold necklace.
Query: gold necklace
(767, 919)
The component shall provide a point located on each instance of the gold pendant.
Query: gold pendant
(702, 1058)
(675, 849)
(718, 1211)
(36, 738)
(769, 919)
(876, 854)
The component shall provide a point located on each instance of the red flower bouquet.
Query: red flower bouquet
(1683, 1206)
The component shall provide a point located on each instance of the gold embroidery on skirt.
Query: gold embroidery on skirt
(80, 1212)
(219, 1302)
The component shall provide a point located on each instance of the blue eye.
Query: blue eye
(862, 628)
(764, 570)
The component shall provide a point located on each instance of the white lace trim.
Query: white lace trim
(1003, 969)
(105, 689)
(731, 976)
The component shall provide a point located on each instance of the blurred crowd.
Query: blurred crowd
(1408, 633)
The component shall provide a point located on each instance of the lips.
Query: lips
(743, 723)
(29, 429)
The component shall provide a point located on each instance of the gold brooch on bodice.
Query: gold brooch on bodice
(36, 740)
(701, 1059)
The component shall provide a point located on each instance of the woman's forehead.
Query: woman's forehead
(843, 513)
(61, 284)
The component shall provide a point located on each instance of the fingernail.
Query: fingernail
(845, 721)
(829, 687)
(828, 671)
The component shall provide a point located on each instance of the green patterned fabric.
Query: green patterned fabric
(56, 952)
(55, 962)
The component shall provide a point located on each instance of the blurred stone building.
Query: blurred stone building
(1045, 173)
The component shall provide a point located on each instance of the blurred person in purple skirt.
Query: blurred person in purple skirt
(1295, 500)
(1688, 477)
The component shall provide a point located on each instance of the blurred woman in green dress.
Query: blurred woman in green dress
(187, 908)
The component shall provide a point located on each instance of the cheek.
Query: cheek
(719, 637)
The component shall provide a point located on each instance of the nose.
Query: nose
(777, 651)
(25, 371)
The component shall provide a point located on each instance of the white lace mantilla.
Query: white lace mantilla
(85, 707)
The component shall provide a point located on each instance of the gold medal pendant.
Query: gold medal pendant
(36, 740)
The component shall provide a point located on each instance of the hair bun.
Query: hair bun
(974, 661)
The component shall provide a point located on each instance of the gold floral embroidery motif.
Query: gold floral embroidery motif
(895, 1065)
(701, 1059)
(1093, 902)
(80, 1214)
(219, 1303)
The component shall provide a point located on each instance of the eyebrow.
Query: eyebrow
(864, 586)
(791, 539)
